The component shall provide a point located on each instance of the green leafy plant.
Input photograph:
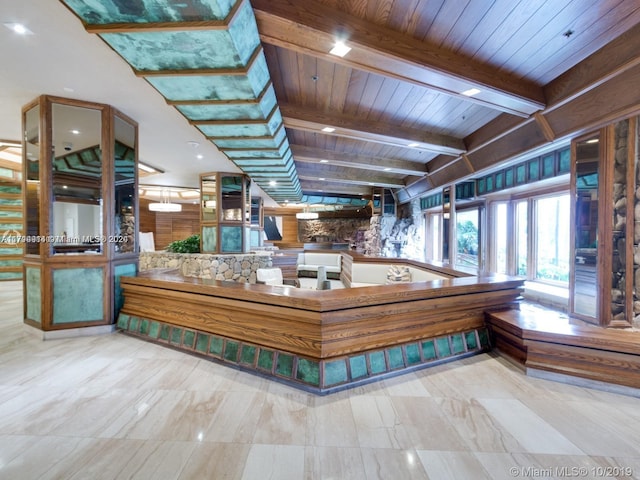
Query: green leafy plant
(188, 245)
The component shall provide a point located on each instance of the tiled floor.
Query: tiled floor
(112, 406)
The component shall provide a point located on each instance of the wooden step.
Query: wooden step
(546, 341)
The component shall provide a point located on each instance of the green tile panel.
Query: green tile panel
(317, 376)
(78, 295)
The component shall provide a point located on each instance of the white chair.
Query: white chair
(273, 276)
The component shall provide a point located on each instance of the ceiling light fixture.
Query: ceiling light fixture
(75, 131)
(199, 157)
(165, 204)
(413, 145)
(471, 92)
(328, 129)
(593, 140)
(324, 161)
(340, 49)
(387, 169)
(273, 183)
(306, 214)
(18, 28)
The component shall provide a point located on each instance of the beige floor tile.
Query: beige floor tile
(531, 431)
(283, 420)
(334, 463)
(274, 462)
(442, 465)
(378, 424)
(330, 422)
(385, 464)
(216, 461)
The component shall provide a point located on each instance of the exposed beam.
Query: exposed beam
(329, 188)
(312, 28)
(352, 178)
(304, 154)
(369, 131)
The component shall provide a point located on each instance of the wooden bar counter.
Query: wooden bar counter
(319, 340)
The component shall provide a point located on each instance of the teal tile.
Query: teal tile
(231, 351)
(189, 338)
(429, 350)
(308, 371)
(377, 363)
(265, 360)
(144, 327)
(133, 324)
(154, 329)
(164, 332)
(413, 354)
(472, 342)
(123, 321)
(33, 294)
(248, 354)
(176, 335)
(215, 347)
(358, 366)
(284, 366)
(458, 343)
(78, 295)
(202, 342)
(395, 358)
(444, 350)
(484, 338)
(335, 372)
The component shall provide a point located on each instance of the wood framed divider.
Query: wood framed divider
(321, 341)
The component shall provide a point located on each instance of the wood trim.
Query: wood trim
(547, 131)
(318, 324)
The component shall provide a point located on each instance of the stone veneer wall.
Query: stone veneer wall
(384, 235)
(237, 268)
(619, 276)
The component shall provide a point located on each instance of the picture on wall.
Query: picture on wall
(273, 227)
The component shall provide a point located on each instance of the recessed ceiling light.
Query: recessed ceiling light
(75, 131)
(328, 129)
(340, 49)
(413, 145)
(324, 161)
(18, 28)
(321, 179)
(471, 92)
(273, 183)
(65, 187)
(387, 169)
(199, 157)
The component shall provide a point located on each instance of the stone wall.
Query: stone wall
(332, 230)
(237, 268)
(389, 236)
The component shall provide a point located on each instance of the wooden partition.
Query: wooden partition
(318, 340)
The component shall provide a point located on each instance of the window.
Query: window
(522, 237)
(552, 238)
(434, 237)
(468, 237)
(539, 239)
(500, 232)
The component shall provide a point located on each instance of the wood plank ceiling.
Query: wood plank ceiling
(402, 82)
(398, 102)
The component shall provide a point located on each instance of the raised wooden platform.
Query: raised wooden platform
(330, 339)
(541, 341)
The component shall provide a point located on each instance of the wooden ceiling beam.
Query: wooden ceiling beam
(351, 178)
(313, 28)
(318, 187)
(369, 131)
(304, 154)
